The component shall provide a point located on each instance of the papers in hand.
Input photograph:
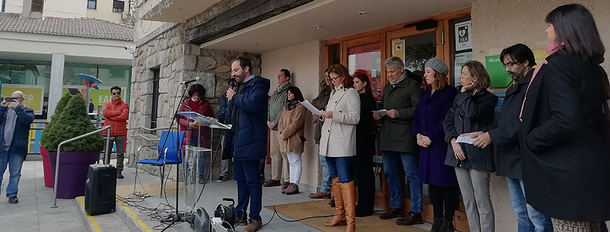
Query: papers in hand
(465, 139)
(382, 112)
(204, 121)
(311, 108)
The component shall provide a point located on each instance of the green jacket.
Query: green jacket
(396, 133)
(277, 103)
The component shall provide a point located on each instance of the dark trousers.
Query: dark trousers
(365, 180)
(444, 201)
(249, 188)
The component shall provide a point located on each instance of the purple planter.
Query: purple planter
(72, 172)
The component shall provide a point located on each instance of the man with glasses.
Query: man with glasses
(518, 61)
(15, 120)
(116, 113)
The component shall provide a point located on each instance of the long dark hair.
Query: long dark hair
(365, 79)
(575, 28)
(297, 93)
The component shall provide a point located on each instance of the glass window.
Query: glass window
(118, 6)
(367, 59)
(155, 98)
(91, 4)
(32, 78)
(109, 75)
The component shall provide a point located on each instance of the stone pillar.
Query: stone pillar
(56, 82)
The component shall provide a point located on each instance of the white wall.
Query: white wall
(305, 64)
(13, 6)
(104, 11)
(65, 8)
(70, 46)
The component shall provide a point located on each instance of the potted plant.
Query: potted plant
(71, 120)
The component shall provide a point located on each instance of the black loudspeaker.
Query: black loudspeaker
(100, 189)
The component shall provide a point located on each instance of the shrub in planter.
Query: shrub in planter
(71, 120)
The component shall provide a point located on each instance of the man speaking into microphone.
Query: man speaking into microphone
(248, 111)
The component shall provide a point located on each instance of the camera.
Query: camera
(9, 99)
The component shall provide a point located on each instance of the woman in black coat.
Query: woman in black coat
(566, 160)
(472, 110)
(365, 148)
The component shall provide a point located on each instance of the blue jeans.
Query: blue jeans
(14, 162)
(249, 188)
(528, 218)
(340, 167)
(326, 180)
(391, 168)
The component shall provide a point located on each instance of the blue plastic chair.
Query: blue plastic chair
(168, 153)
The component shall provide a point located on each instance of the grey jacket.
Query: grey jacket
(277, 103)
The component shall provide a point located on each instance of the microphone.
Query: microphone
(189, 81)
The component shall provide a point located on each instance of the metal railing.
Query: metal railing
(59, 154)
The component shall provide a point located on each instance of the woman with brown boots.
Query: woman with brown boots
(338, 144)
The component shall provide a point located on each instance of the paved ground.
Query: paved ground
(33, 213)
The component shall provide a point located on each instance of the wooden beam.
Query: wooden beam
(240, 17)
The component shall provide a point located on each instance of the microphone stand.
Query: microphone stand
(176, 217)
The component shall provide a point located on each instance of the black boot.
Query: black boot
(437, 224)
(447, 226)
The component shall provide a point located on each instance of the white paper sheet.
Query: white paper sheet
(382, 112)
(465, 139)
(311, 108)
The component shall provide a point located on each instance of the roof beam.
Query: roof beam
(240, 17)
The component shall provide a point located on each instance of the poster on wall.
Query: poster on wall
(497, 73)
(99, 97)
(460, 59)
(398, 48)
(463, 36)
(33, 95)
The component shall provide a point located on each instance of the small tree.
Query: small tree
(72, 121)
(46, 139)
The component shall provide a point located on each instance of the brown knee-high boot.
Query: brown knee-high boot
(339, 218)
(349, 203)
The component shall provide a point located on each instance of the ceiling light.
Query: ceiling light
(316, 26)
(363, 13)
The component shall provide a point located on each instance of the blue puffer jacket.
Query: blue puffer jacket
(248, 110)
(25, 116)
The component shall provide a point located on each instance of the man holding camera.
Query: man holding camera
(15, 120)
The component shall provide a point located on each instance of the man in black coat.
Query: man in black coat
(518, 61)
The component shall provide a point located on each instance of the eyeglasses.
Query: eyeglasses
(510, 64)
(334, 78)
(116, 93)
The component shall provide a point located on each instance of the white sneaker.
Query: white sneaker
(220, 179)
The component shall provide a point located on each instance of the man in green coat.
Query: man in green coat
(279, 161)
(397, 142)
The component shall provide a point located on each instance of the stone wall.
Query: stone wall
(177, 61)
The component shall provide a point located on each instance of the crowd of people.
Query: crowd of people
(549, 137)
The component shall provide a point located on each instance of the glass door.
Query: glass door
(367, 59)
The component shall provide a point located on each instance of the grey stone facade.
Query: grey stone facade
(177, 61)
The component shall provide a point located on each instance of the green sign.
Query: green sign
(498, 75)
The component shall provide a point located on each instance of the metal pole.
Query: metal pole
(57, 159)
(108, 148)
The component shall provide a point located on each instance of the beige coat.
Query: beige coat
(291, 127)
(339, 132)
